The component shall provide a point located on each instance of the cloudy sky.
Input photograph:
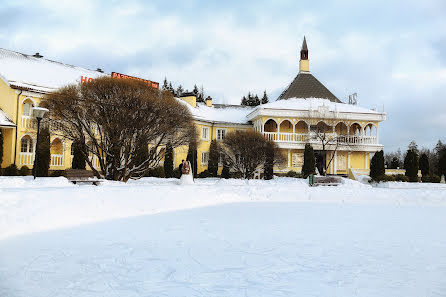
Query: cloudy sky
(392, 53)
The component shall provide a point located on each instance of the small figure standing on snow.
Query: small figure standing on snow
(187, 177)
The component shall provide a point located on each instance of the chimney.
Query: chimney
(37, 55)
(208, 101)
(190, 98)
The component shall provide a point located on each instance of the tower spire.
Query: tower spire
(304, 63)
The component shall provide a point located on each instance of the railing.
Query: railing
(57, 161)
(311, 138)
(26, 159)
(28, 122)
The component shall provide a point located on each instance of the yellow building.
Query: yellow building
(305, 112)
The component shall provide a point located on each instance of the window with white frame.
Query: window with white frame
(205, 133)
(204, 157)
(27, 108)
(26, 145)
(221, 133)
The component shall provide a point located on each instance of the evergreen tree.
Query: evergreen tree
(171, 89)
(395, 163)
(168, 161)
(244, 101)
(309, 166)
(256, 100)
(225, 173)
(424, 165)
(214, 154)
(265, 98)
(442, 162)
(78, 157)
(414, 147)
(195, 91)
(192, 158)
(165, 85)
(43, 153)
(1, 148)
(179, 91)
(411, 164)
(269, 161)
(377, 168)
(200, 96)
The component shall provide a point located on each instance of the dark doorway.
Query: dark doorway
(320, 159)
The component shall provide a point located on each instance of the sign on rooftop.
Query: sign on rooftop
(148, 82)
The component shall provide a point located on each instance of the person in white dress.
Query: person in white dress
(187, 176)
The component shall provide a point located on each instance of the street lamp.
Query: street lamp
(39, 113)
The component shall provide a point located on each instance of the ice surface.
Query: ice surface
(153, 237)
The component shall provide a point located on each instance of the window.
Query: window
(27, 108)
(221, 134)
(26, 145)
(205, 133)
(204, 157)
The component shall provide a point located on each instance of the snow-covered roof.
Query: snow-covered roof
(314, 103)
(5, 121)
(40, 74)
(221, 113)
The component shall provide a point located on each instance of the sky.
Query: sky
(391, 53)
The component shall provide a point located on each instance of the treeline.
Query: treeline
(431, 163)
(179, 91)
(254, 100)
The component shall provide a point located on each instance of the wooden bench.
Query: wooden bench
(329, 180)
(81, 176)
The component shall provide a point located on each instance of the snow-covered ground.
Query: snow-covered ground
(153, 237)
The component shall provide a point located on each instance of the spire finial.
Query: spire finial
(304, 65)
(304, 45)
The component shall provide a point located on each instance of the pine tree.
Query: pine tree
(256, 100)
(78, 157)
(265, 98)
(43, 153)
(179, 91)
(442, 161)
(171, 89)
(1, 148)
(244, 101)
(411, 164)
(395, 163)
(424, 165)
(192, 158)
(214, 154)
(414, 147)
(200, 96)
(377, 168)
(309, 166)
(168, 161)
(165, 85)
(195, 91)
(269, 161)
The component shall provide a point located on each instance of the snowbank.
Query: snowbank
(28, 206)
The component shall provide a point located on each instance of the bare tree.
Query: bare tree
(246, 151)
(115, 118)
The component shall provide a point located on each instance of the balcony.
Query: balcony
(303, 138)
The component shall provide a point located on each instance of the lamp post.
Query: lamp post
(39, 113)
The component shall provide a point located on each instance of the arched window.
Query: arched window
(26, 145)
(27, 108)
(57, 147)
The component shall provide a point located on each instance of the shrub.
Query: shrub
(432, 178)
(293, 173)
(24, 171)
(176, 173)
(214, 154)
(309, 166)
(11, 170)
(78, 157)
(43, 153)
(57, 173)
(401, 178)
(168, 161)
(377, 169)
(383, 178)
(269, 161)
(156, 172)
(411, 165)
(204, 174)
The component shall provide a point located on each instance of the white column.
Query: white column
(335, 162)
(377, 135)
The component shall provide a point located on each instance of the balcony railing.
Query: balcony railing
(302, 138)
(57, 161)
(26, 159)
(28, 122)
